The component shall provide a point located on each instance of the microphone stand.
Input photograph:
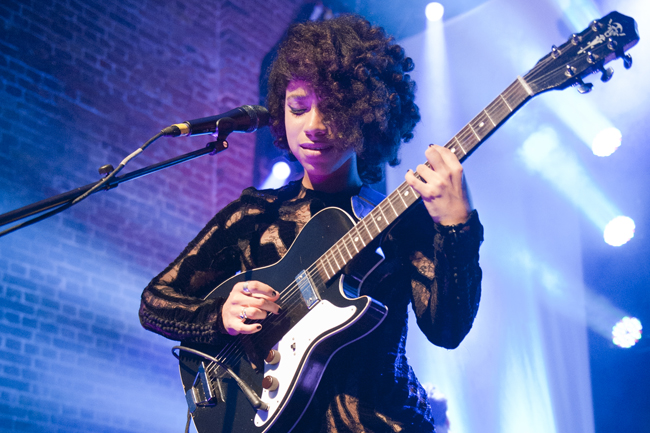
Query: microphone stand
(66, 199)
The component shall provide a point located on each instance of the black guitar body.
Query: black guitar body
(305, 349)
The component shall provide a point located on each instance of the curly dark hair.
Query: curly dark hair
(360, 76)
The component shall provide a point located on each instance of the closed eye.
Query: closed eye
(297, 111)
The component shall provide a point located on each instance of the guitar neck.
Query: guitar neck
(400, 200)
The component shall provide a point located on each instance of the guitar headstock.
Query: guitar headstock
(585, 53)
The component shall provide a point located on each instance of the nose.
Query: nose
(315, 125)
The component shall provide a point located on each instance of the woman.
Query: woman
(341, 103)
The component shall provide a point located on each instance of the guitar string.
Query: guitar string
(235, 348)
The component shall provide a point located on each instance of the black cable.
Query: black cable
(251, 395)
(187, 424)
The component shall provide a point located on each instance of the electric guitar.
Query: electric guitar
(263, 382)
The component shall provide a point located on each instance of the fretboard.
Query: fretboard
(397, 202)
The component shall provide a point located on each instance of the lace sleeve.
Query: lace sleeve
(445, 276)
(173, 303)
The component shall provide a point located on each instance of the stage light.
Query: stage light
(434, 11)
(281, 170)
(544, 153)
(579, 12)
(278, 176)
(606, 142)
(627, 332)
(618, 231)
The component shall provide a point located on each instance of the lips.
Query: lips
(316, 146)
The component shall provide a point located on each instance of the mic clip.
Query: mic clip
(225, 126)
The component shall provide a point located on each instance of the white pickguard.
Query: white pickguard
(293, 348)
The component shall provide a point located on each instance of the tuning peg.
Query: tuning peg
(576, 39)
(570, 71)
(596, 25)
(555, 53)
(607, 74)
(627, 61)
(583, 87)
(612, 44)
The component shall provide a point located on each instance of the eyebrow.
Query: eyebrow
(298, 93)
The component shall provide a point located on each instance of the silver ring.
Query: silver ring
(243, 316)
(246, 289)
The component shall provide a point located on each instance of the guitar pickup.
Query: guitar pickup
(202, 393)
(306, 286)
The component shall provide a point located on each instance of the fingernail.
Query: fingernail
(431, 145)
(259, 326)
(275, 293)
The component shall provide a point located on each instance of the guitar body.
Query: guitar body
(306, 339)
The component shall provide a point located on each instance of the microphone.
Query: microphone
(247, 118)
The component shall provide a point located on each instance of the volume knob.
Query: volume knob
(273, 357)
(270, 383)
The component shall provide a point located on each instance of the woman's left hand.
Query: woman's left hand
(443, 191)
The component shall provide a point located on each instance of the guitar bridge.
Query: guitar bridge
(202, 393)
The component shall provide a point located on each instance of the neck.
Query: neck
(345, 178)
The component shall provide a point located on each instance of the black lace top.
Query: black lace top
(368, 386)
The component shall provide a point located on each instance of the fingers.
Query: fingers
(256, 289)
(249, 300)
(443, 170)
(441, 186)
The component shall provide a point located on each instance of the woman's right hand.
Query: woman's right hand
(248, 300)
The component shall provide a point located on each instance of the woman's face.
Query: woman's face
(310, 140)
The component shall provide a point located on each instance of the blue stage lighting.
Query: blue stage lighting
(543, 153)
(627, 332)
(278, 176)
(281, 170)
(606, 142)
(619, 230)
(434, 11)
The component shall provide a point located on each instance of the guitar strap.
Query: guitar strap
(365, 201)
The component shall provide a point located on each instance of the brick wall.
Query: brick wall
(82, 84)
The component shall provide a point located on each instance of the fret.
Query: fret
(480, 125)
(413, 193)
(340, 254)
(370, 235)
(467, 137)
(388, 203)
(489, 118)
(322, 274)
(402, 199)
(505, 102)
(474, 132)
(460, 145)
(380, 218)
(498, 110)
(328, 257)
(347, 250)
(354, 240)
(374, 218)
(350, 243)
(323, 265)
(336, 255)
(517, 94)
